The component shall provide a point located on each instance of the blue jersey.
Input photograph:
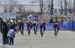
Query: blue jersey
(32, 19)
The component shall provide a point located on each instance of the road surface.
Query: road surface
(65, 39)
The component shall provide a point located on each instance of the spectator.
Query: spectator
(4, 30)
(11, 35)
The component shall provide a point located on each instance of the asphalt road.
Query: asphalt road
(65, 39)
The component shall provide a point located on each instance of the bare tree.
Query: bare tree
(5, 7)
(41, 7)
(65, 6)
(12, 5)
(52, 7)
(22, 10)
(74, 5)
(49, 5)
(0, 2)
(70, 6)
(61, 7)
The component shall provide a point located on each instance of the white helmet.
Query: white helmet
(11, 20)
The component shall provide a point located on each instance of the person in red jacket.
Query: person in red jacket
(56, 28)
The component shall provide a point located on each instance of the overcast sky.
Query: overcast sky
(29, 2)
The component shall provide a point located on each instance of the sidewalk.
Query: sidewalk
(65, 39)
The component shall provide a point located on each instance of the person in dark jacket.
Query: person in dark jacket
(21, 27)
(4, 30)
